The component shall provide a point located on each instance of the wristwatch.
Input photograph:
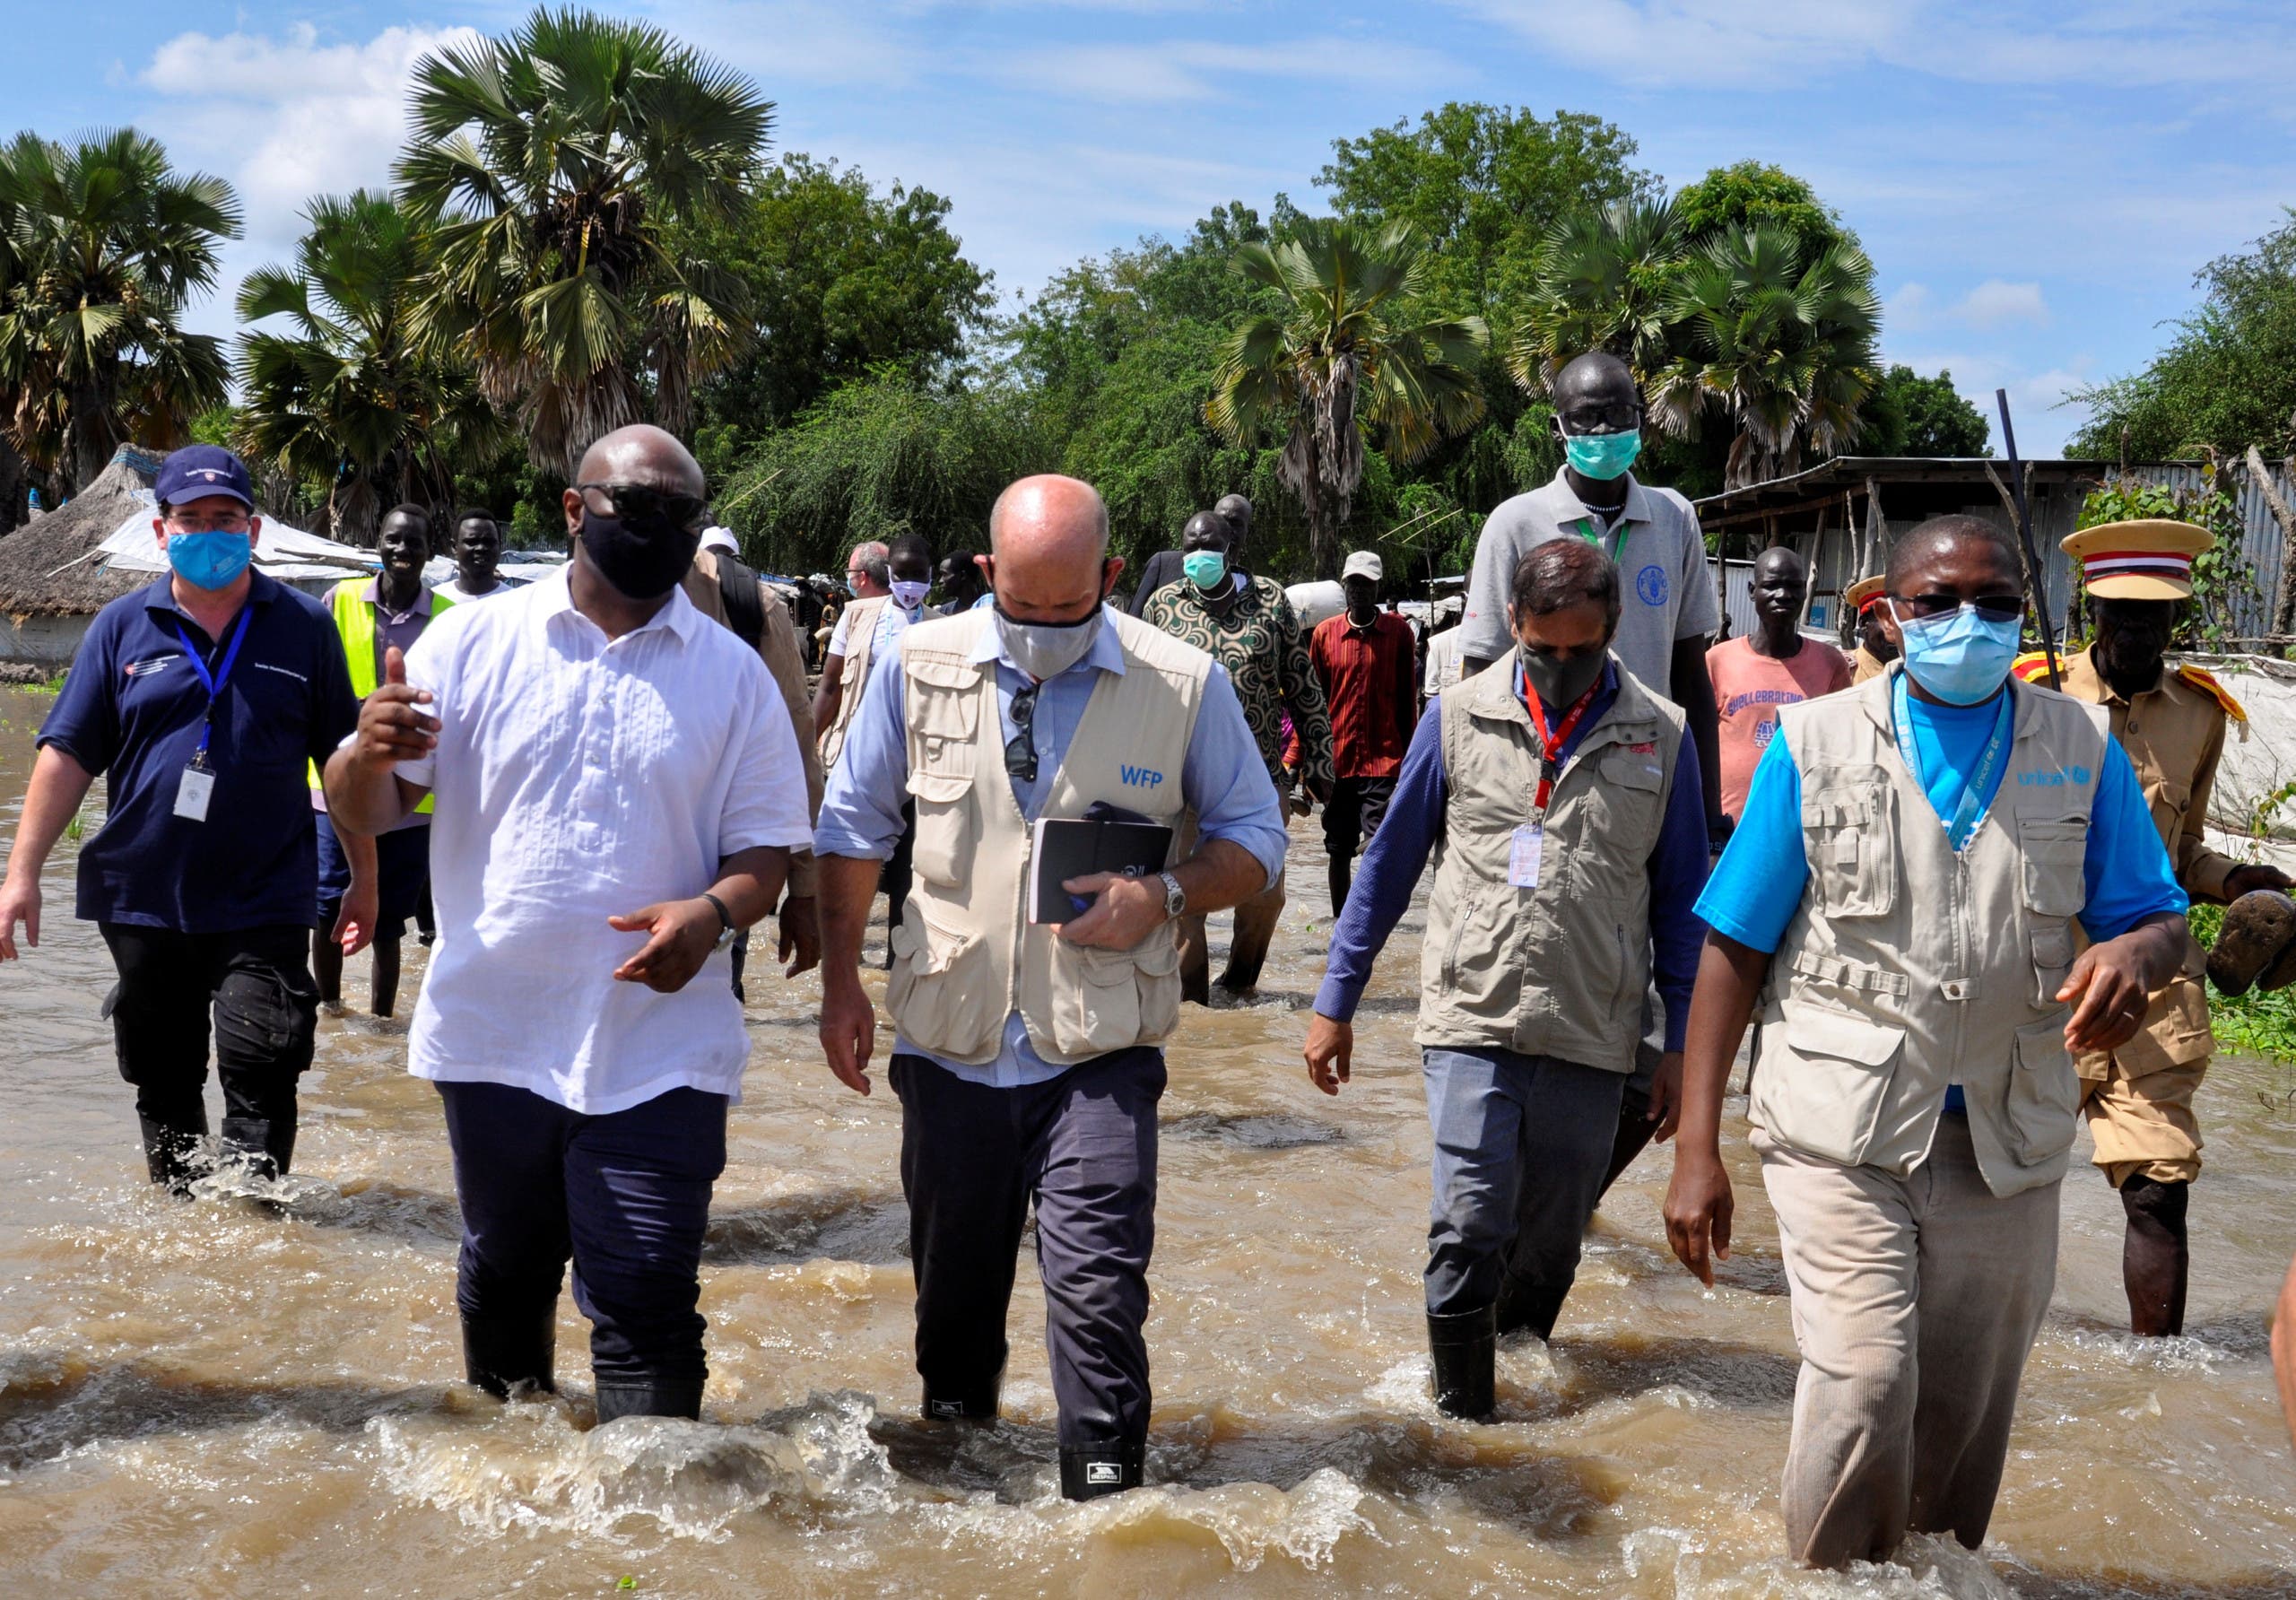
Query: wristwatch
(726, 930)
(1175, 897)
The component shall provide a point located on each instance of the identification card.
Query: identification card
(193, 794)
(1523, 856)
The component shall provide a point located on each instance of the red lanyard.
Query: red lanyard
(1552, 739)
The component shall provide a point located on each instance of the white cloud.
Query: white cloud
(1177, 70)
(1994, 304)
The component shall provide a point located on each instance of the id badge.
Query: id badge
(1523, 856)
(193, 794)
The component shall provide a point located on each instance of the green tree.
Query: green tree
(103, 246)
(1753, 194)
(550, 166)
(1341, 356)
(2228, 376)
(1912, 415)
(841, 280)
(1778, 344)
(344, 402)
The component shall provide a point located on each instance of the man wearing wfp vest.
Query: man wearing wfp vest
(1920, 859)
(1562, 799)
(374, 614)
(1027, 1055)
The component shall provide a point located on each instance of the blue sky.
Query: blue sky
(2036, 184)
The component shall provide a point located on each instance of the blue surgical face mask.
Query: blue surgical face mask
(210, 560)
(1962, 656)
(1204, 568)
(1601, 455)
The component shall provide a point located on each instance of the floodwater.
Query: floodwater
(232, 1397)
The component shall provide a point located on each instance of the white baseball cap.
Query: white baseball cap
(720, 538)
(1364, 563)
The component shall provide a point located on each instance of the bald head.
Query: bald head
(1048, 547)
(644, 454)
(1598, 370)
(1237, 511)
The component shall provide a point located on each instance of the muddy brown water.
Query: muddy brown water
(232, 1397)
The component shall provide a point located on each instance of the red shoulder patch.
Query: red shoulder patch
(2032, 666)
(2202, 679)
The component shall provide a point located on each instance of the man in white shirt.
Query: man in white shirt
(619, 791)
(477, 553)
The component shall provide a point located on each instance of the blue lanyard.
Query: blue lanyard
(213, 681)
(1969, 809)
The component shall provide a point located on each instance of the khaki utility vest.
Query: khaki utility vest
(1559, 969)
(861, 619)
(966, 956)
(1908, 966)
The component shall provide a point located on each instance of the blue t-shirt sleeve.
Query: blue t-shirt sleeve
(84, 721)
(2128, 873)
(1758, 884)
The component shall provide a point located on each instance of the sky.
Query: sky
(2037, 185)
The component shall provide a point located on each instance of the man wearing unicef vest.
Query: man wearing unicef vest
(388, 612)
(1919, 862)
(1562, 801)
(1026, 1054)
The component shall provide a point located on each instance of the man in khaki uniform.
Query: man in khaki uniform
(1874, 652)
(720, 585)
(1902, 891)
(2138, 1099)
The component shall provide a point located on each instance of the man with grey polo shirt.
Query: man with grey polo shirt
(1669, 612)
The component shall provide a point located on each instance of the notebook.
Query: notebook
(1105, 840)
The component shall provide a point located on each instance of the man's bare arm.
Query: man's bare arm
(59, 784)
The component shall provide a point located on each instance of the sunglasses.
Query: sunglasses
(1993, 608)
(1020, 749)
(642, 505)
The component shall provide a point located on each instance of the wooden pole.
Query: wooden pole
(2024, 523)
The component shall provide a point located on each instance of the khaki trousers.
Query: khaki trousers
(1916, 1300)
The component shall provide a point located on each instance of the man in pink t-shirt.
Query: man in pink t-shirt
(1771, 668)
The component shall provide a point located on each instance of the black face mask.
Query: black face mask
(1558, 683)
(641, 563)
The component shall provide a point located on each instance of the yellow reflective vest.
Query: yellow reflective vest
(355, 619)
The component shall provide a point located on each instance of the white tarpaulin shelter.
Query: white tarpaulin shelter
(287, 554)
(2242, 822)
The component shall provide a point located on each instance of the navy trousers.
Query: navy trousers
(1522, 1143)
(625, 1194)
(1083, 1147)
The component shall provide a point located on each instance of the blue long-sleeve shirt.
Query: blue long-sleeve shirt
(1223, 780)
(1397, 854)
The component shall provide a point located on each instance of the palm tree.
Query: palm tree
(345, 402)
(105, 243)
(1601, 281)
(547, 163)
(1778, 341)
(1336, 360)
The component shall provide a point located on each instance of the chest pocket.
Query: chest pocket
(1847, 834)
(2169, 802)
(943, 728)
(1617, 818)
(2056, 853)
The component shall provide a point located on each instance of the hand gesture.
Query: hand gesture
(391, 726)
(1330, 1052)
(1125, 910)
(2108, 986)
(684, 932)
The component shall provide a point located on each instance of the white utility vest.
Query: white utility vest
(966, 956)
(861, 619)
(1908, 966)
(1560, 969)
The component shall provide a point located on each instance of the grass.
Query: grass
(2254, 1023)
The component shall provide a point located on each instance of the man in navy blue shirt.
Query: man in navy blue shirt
(200, 699)
(1561, 798)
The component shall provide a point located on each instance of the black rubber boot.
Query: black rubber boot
(1465, 1348)
(507, 1354)
(1531, 1306)
(1095, 1470)
(166, 1153)
(974, 1405)
(269, 1143)
(650, 1398)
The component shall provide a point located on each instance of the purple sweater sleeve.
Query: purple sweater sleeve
(1389, 871)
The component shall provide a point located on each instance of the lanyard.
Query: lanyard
(1969, 809)
(1552, 739)
(1586, 531)
(213, 681)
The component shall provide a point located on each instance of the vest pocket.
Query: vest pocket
(2052, 941)
(1822, 1086)
(2055, 853)
(2044, 1094)
(1096, 1001)
(938, 991)
(944, 827)
(1849, 843)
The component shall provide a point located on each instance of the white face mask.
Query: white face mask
(908, 594)
(1046, 650)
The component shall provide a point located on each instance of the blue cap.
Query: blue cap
(197, 471)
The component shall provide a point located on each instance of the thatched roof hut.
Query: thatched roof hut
(49, 568)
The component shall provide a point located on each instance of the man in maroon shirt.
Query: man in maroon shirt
(1366, 659)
